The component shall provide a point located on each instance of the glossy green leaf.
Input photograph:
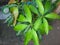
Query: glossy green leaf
(40, 6)
(37, 23)
(42, 29)
(22, 18)
(20, 27)
(39, 35)
(47, 6)
(52, 16)
(28, 37)
(27, 13)
(46, 26)
(35, 37)
(33, 9)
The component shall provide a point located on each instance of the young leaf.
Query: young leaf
(20, 27)
(28, 37)
(46, 26)
(52, 16)
(37, 23)
(22, 18)
(27, 13)
(33, 9)
(42, 29)
(35, 37)
(15, 13)
(47, 6)
(39, 35)
(40, 6)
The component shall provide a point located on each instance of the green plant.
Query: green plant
(32, 19)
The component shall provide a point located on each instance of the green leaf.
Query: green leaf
(28, 37)
(7, 19)
(50, 27)
(40, 6)
(22, 18)
(46, 26)
(11, 5)
(37, 23)
(14, 11)
(33, 9)
(35, 37)
(52, 16)
(47, 6)
(42, 29)
(39, 35)
(20, 27)
(10, 21)
(27, 13)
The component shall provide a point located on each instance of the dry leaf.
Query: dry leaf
(57, 10)
(11, 1)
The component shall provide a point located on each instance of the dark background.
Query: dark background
(3, 2)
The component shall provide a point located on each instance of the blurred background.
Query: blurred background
(8, 36)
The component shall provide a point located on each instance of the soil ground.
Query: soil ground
(8, 37)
